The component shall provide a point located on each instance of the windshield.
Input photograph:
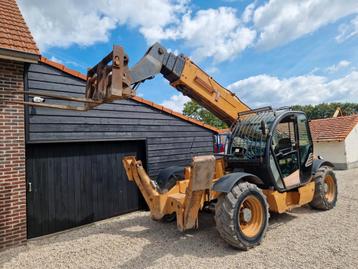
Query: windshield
(249, 140)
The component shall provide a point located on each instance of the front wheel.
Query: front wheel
(326, 190)
(242, 216)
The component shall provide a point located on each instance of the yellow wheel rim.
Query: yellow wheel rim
(251, 216)
(330, 188)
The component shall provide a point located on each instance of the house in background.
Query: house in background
(336, 139)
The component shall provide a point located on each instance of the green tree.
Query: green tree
(195, 111)
(326, 110)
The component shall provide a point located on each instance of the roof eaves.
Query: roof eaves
(328, 140)
(20, 56)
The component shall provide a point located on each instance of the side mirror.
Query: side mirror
(263, 127)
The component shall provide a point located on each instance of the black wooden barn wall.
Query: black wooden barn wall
(78, 183)
(169, 140)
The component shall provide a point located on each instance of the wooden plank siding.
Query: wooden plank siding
(170, 140)
(78, 183)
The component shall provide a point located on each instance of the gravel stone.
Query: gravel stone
(302, 238)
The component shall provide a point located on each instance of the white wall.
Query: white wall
(335, 152)
(352, 146)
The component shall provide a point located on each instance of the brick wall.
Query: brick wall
(12, 157)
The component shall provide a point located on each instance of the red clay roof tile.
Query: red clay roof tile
(333, 129)
(63, 68)
(14, 33)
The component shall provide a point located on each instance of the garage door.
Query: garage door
(77, 183)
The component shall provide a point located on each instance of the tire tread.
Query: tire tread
(319, 200)
(224, 215)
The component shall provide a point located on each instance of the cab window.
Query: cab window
(305, 147)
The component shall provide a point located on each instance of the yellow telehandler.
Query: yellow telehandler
(268, 164)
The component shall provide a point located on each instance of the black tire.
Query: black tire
(228, 220)
(326, 190)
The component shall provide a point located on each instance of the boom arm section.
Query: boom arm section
(191, 80)
(111, 79)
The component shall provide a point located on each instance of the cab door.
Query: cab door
(292, 148)
(305, 146)
(286, 151)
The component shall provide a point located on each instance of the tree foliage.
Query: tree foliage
(326, 110)
(195, 111)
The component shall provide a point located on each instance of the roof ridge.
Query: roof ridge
(79, 75)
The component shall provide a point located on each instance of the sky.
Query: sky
(273, 52)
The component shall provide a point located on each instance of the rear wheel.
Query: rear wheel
(326, 191)
(242, 216)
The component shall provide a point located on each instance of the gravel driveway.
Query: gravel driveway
(302, 238)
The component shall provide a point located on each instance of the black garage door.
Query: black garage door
(77, 183)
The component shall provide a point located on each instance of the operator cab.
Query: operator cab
(275, 145)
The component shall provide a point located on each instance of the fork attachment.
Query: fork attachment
(109, 79)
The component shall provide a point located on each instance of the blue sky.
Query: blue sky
(276, 52)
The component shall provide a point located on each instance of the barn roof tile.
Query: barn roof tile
(14, 33)
(333, 129)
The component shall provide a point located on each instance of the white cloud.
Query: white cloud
(66, 22)
(175, 52)
(263, 90)
(248, 13)
(280, 22)
(54, 59)
(220, 34)
(336, 67)
(347, 30)
(212, 70)
(176, 102)
(314, 70)
(148, 16)
(216, 33)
